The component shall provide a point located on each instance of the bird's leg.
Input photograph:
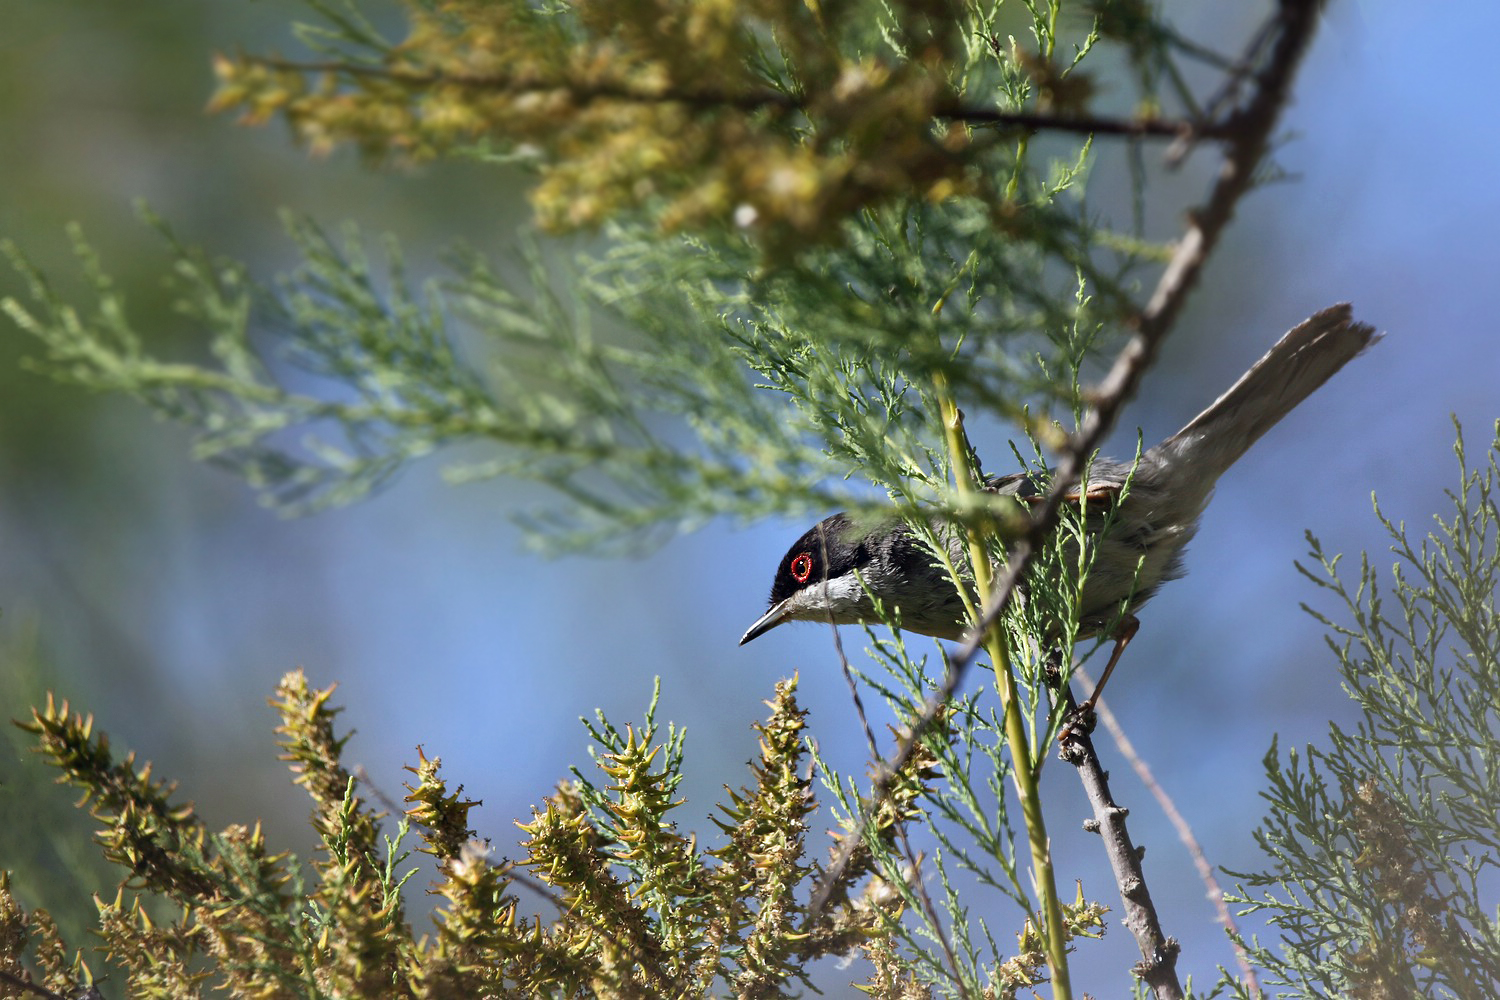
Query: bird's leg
(1124, 632)
(1083, 717)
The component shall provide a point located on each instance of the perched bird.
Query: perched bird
(1146, 511)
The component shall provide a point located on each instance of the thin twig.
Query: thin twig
(1242, 70)
(709, 98)
(915, 882)
(1184, 831)
(859, 702)
(25, 984)
(1294, 21)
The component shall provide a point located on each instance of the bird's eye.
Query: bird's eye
(802, 567)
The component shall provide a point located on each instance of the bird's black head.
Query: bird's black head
(817, 579)
(830, 573)
(829, 549)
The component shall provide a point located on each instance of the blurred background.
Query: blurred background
(156, 593)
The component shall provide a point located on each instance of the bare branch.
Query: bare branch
(1158, 965)
(26, 985)
(708, 98)
(1185, 834)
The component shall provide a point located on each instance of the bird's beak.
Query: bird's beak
(776, 616)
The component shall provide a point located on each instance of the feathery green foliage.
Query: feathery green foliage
(676, 377)
(1385, 843)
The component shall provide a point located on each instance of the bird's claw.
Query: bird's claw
(1080, 722)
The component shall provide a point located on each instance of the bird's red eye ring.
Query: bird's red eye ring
(802, 567)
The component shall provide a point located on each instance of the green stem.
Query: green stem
(1023, 771)
(1048, 42)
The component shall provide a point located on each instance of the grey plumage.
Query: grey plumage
(828, 574)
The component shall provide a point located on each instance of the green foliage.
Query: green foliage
(966, 808)
(675, 379)
(47, 845)
(1385, 844)
(1382, 845)
(667, 424)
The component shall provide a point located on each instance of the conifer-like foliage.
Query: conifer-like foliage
(1384, 844)
(826, 235)
(833, 246)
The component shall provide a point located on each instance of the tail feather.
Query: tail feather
(1291, 371)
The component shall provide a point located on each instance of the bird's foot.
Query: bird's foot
(1080, 722)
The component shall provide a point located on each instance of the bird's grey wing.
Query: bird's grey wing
(1017, 484)
(1106, 478)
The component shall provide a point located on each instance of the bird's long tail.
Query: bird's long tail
(1301, 361)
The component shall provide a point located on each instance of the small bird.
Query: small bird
(1146, 512)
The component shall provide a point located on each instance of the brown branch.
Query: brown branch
(1185, 834)
(1251, 126)
(1158, 965)
(764, 99)
(1035, 121)
(26, 985)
